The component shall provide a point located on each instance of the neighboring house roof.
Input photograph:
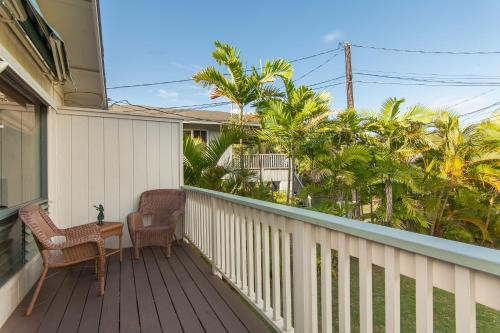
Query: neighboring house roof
(188, 116)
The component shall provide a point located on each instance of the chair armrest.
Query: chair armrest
(176, 216)
(134, 221)
(82, 230)
(79, 245)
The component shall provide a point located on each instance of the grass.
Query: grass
(488, 320)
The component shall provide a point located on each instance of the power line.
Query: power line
(408, 78)
(472, 98)
(450, 76)
(190, 79)
(468, 114)
(425, 51)
(317, 67)
(420, 84)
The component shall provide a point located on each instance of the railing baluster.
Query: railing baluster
(424, 294)
(276, 278)
(344, 277)
(326, 282)
(251, 252)
(258, 256)
(465, 300)
(213, 232)
(286, 274)
(365, 286)
(392, 287)
(303, 286)
(243, 228)
(232, 222)
(237, 245)
(265, 218)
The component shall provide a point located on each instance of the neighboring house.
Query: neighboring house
(59, 145)
(205, 125)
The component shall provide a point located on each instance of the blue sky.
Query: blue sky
(151, 41)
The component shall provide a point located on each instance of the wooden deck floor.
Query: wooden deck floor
(153, 294)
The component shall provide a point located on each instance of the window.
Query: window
(197, 134)
(200, 134)
(21, 179)
(20, 154)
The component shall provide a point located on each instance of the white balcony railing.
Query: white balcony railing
(268, 252)
(266, 161)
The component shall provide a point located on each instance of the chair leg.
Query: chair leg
(37, 290)
(100, 276)
(167, 250)
(136, 252)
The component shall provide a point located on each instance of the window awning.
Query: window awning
(45, 39)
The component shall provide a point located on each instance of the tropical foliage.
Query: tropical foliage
(412, 168)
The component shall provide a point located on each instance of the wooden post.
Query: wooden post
(348, 76)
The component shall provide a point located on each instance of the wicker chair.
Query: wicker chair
(81, 243)
(165, 207)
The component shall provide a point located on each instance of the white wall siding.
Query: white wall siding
(111, 159)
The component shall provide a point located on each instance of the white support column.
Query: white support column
(275, 242)
(264, 217)
(214, 235)
(424, 294)
(326, 281)
(365, 286)
(465, 300)
(392, 290)
(302, 279)
(344, 276)
(286, 274)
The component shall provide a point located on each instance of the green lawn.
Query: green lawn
(488, 320)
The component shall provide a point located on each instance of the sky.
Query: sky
(154, 40)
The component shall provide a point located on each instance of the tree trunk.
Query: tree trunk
(289, 185)
(388, 202)
(242, 160)
(488, 216)
(371, 209)
(440, 214)
(348, 206)
(434, 221)
(292, 179)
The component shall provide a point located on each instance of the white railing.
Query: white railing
(268, 252)
(266, 161)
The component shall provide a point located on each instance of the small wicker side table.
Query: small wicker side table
(109, 229)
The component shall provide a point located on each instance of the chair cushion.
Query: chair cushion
(57, 240)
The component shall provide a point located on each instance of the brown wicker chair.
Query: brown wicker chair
(81, 243)
(165, 207)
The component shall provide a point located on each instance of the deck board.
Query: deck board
(152, 294)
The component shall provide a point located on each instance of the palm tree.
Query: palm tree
(462, 158)
(241, 86)
(399, 138)
(289, 120)
(201, 161)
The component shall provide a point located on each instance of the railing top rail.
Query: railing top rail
(470, 256)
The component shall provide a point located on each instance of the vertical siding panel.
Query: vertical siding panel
(63, 156)
(165, 155)
(96, 166)
(176, 149)
(140, 160)
(79, 170)
(153, 154)
(111, 170)
(126, 149)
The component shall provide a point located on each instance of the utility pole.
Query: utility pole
(348, 76)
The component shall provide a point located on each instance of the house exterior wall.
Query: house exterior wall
(111, 159)
(20, 60)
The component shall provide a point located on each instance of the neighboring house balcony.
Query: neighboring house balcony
(262, 161)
